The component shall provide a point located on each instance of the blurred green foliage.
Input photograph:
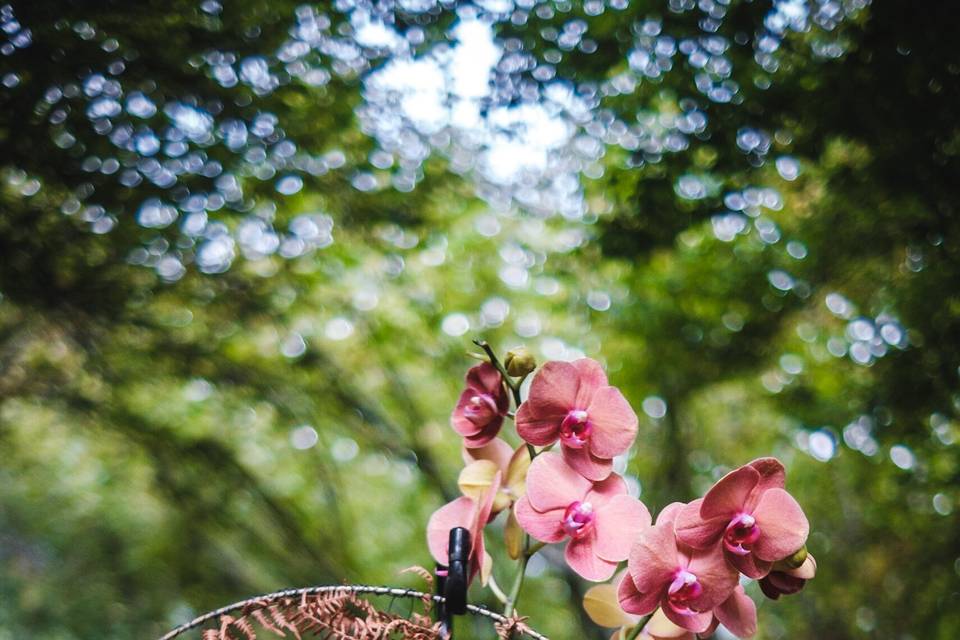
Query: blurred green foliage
(171, 444)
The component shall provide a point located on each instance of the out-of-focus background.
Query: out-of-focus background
(244, 247)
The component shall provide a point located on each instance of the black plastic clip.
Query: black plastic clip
(452, 580)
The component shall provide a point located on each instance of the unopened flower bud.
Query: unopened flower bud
(784, 582)
(519, 362)
(792, 561)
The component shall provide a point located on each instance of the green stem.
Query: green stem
(511, 606)
(529, 550)
(513, 385)
(638, 628)
(497, 591)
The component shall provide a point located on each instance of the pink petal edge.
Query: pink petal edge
(581, 556)
(614, 423)
(552, 484)
(543, 526)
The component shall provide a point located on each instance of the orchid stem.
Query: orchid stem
(638, 629)
(529, 551)
(511, 604)
(497, 591)
(512, 384)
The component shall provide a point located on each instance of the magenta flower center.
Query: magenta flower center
(684, 589)
(575, 429)
(740, 534)
(480, 409)
(578, 519)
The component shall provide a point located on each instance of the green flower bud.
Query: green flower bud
(519, 362)
(792, 561)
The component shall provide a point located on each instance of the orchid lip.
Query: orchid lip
(740, 534)
(681, 609)
(480, 407)
(578, 519)
(575, 429)
(684, 589)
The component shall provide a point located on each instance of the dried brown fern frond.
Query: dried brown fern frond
(428, 578)
(510, 627)
(335, 613)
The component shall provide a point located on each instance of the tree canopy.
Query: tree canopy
(244, 247)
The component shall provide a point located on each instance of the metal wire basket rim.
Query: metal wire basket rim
(349, 588)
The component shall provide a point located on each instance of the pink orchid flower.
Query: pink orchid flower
(738, 614)
(787, 581)
(572, 402)
(470, 514)
(749, 510)
(601, 520)
(686, 583)
(497, 451)
(482, 464)
(479, 413)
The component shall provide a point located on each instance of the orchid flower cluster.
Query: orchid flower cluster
(684, 572)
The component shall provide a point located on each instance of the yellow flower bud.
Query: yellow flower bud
(519, 362)
(792, 561)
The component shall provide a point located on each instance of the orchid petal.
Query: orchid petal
(553, 394)
(738, 613)
(783, 526)
(749, 565)
(807, 570)
(632, 601)
(552, 484)
(476, 478)
(602, 605)
(660, 627)
(590, 377)
(546, 526)
(517, 469)
(654, 559)
(513, 536)
(606, 490)
(618, 524)
(729, 495)
(670, 513)
(784, 583)
(458, 513)
(697, 622)
(485, 507)
(692, 530)
(586, 464)
(582, 558)
(485, 378)
(772, 473)
(614, 423)
(715, 575)
(486, 568)
(711, 629)
(497, 450)
(772, 476)
(485, 435)
(460, 423)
